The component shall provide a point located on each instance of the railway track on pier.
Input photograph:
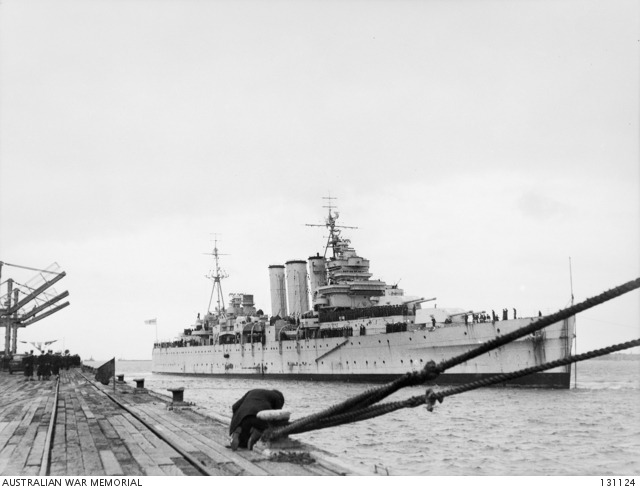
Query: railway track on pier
(74, 426)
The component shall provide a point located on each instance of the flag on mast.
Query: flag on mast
(106, 371)
(150, 322)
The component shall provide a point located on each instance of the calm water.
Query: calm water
(591, 430)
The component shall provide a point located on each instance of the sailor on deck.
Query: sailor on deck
(246, 428)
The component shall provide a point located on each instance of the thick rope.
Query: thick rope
(500, 378)
(378, 393)
(431, 370)
(431, 397)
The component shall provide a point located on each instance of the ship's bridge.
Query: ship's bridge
(348, 267)
(350, 262)
(350, 275)
(372, 288)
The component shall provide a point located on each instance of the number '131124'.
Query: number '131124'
(617, 482)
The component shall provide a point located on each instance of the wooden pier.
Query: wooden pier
(76, 426)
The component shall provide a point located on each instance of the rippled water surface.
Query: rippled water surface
(593, 429)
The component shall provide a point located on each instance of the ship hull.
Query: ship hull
(381, 357)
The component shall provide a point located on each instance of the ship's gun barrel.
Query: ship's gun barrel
(418, 301)
(470, 312)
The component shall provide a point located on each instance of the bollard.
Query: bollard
(120, 378)
(178, 394)
(276, 419)
(139, 383)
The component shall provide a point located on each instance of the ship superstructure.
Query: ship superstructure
(330, 320)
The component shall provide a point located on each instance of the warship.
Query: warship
(330, 321)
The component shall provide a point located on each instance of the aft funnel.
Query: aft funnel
(297, 289)
(278, 292)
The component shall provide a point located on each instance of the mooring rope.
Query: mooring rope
(431, 370)
(432, 396)
(500, 378)
(409, 379)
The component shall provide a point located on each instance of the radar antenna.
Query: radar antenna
(333, 240)
(216, 276)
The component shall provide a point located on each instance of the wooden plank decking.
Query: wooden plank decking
(95, 436)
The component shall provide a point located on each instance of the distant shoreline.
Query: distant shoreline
(618, 357)
(117, 360)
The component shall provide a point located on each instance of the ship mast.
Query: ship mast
(217, 276)
(333, 239)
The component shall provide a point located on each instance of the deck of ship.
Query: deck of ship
(126, 432)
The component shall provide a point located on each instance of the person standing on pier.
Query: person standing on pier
(41, 363)
(28, 366)
(246, 428)
(55, 365)
(25, 367)
(46, 369)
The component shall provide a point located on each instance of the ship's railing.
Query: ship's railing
(329, 333)
(182, 343)
(396, 327)
(370, 312)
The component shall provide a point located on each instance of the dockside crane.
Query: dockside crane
(13, 314)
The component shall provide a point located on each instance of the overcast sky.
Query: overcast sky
(477, 145)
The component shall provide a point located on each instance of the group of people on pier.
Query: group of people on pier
(47, 364)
